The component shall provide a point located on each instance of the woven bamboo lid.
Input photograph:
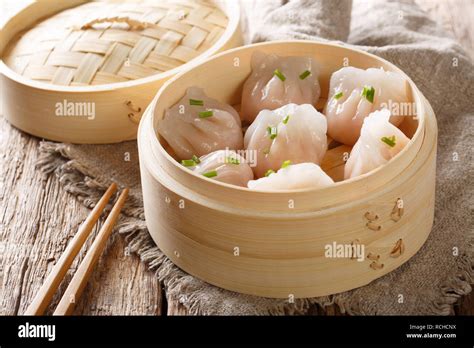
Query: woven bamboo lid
(108, 41)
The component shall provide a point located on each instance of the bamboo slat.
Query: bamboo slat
(105, 42)
(111, 53)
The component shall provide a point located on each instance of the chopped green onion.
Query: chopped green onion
(390, 141)
(285, 120)
(231, 160)
(369, 93)
(210, 174)
(196, 102)
(278, 74)
(338, 95)
(206, 114)
(188, 163)
(272, 132)
(270, 171)
(196, 159)
(286, 164)
(305, 74)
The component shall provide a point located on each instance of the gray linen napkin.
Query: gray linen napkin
(399, 32)
(270, 20)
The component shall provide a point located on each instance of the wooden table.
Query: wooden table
(38, 218)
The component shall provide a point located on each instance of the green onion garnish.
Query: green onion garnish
(206, 114)
(232, 160)
(210, 174)
(196, 102)
(338, 95)
(188, 163)
(305, 74)
(196, 159)
(272, 132)
(285, 120)
(390, 141)
(369, 93)
(278, 74)
(270, 171)
(286, 164)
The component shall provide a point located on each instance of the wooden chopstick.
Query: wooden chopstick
(79, 281)
(47, 290)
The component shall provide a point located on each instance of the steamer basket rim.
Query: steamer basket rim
(421, 112)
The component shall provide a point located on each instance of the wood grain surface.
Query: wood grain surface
(38, 218)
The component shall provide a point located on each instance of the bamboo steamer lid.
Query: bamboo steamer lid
(107, 57)
(109, 41)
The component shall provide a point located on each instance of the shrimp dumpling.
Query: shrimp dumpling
(276, 81)
(222, 165)
(379, 141)
(293, 177)
(198, 125)
(355, 93)
(293, 132)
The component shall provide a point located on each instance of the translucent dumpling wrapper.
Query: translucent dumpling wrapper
(276, 81)
(293, 177)
(224, 166)
(379, 141)
(293, 132)
(355, 93)
(198, 125)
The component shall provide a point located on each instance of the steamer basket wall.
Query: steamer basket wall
(199, 223)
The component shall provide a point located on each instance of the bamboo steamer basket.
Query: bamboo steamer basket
(253, 242)
(114, 58)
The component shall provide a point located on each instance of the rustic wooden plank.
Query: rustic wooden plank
(465, 305)
(121, 284)
(37, 219)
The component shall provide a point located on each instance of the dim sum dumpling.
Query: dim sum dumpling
(379, 141)
(276, 81)
(198, 125)
(355, 93)
(224, 166)
(293, 132)
(293, 177)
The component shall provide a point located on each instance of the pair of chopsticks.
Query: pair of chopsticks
(79, 281)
